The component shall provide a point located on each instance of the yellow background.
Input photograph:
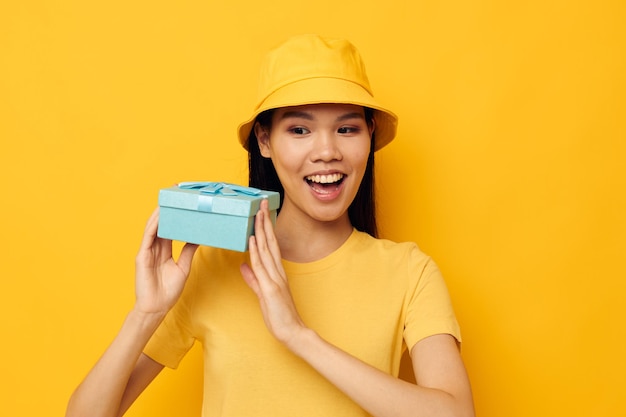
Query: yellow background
(508, 169)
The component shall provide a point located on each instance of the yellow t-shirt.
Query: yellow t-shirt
(371, 298)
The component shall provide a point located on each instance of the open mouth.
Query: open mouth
(325, 184)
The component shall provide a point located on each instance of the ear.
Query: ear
(372, 126)
(263, 139)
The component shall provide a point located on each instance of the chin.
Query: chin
(329, 216)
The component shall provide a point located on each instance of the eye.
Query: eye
(299, 130)
(344, 130)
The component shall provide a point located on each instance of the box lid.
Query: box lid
(217, 197)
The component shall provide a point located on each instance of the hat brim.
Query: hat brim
(326, 90)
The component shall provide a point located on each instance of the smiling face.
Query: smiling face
(320, 154)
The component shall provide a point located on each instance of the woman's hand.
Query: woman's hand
(122, 372)
(159, 280)
(379, 393)
(267, 278)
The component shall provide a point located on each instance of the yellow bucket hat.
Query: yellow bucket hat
(310, 69)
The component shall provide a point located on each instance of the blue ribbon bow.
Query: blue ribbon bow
(219, 187)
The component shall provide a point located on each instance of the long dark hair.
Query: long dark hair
(362, 210)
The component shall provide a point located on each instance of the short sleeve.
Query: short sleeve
(429, 309)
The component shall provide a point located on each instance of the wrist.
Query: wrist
(303, 341)
(148, 320)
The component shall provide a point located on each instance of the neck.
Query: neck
(312, 240)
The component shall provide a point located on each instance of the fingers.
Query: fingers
(268, 230)
(266, 238)
(250, 278)
(186, 256)
(267, 279)
(264, 250)
(154, 250)
(257, 266)
(150, 231)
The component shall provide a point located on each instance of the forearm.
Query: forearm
(101, 392)
(379, 393)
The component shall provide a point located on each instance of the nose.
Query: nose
(326, 147)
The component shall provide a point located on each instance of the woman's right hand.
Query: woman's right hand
(123, 372)
(159, 279)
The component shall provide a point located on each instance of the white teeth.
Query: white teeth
(325, 179)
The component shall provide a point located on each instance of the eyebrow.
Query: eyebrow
(298, 114)
(308, 116)
(348, 116)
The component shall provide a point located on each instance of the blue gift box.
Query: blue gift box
(212, 214)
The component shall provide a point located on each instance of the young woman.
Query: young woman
(314, 319)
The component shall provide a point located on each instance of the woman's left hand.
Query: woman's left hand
(436, 359)
(266, 277)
